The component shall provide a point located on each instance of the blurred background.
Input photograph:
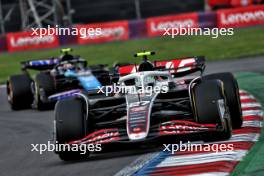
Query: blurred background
(128, 26)
(17, 15)
(23, 14)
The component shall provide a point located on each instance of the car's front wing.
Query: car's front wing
(175, 127)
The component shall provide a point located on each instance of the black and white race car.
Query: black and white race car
(160, 98)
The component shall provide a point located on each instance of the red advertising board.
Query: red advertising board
(110, 31)
(240, 17)
(21, 41)
(231, 3)
(156, 26)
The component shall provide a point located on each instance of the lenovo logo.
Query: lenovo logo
(20, 41)
(242, 17)
(171, 24)
(157, 25)
(239, 17)
(108, 32)
(34, 40)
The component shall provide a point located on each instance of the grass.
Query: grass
(245, 42)
(252, 164)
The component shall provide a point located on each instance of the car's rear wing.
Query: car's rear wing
(40, 64)
(176, 67)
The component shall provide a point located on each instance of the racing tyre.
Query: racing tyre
(44, 86)
(70, 125)
(232, 97)
(210, 107)
(19, 92)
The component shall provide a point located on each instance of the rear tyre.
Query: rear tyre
(44, 87)
(70, 126)
(210, 108)
(19, 92)
(232, 96)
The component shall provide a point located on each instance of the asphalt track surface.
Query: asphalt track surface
(18, 130)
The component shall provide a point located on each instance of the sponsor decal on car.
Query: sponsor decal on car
(184, 127)
(138, 121)
(177, 65)
(104, 138)
(110, 31)
(240, 17)
(20, 41)
(157, 25)
(99, 137)
(43, 62)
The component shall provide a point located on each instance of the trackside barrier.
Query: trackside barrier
(110, 31)
(125, 30)
(241, 17)
(21, 41)
(156, 25)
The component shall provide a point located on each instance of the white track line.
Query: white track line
(252, 123)
(213, 174)
(243, 91)
(251, 105)
(244, 97)
(171, 161)
(252, 113)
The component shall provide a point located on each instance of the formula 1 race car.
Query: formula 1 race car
(58, 78)
(161, 98)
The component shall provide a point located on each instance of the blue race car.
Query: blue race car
(58, 78)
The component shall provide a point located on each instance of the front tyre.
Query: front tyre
(210, 108)
(232, 96)
(70, 125)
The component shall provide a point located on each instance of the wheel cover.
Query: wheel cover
(10, 94)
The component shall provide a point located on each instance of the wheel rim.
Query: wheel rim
(36, 95)
(239, 101)
(10, 94)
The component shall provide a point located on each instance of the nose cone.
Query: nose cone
(138, 122)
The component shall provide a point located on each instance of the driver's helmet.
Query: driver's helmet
(146, 66)
(65, 54)
(67, 57)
